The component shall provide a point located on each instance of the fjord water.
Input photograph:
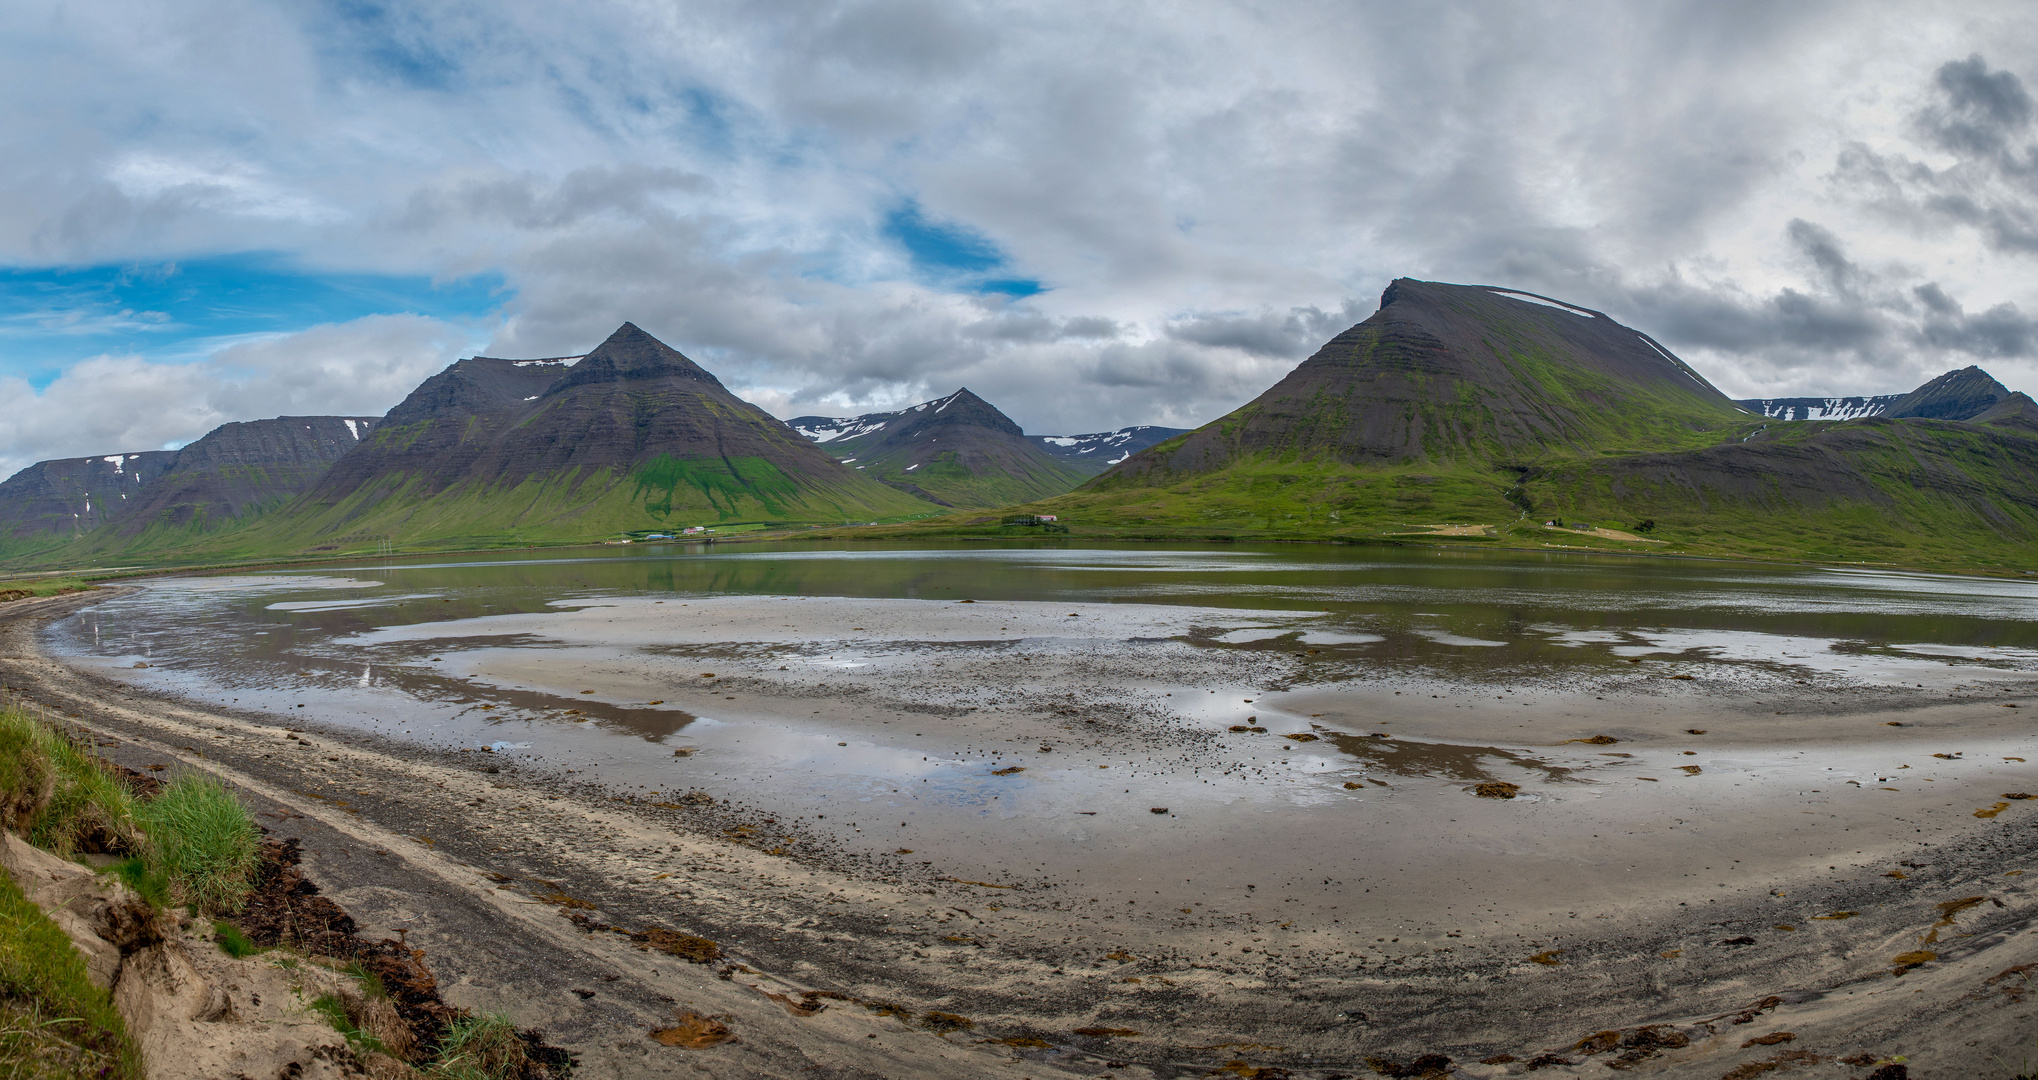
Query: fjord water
(1101, 710)
(1530, 611)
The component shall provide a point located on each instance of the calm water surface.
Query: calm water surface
(405, 649)
(1513, 609)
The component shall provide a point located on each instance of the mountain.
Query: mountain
(1100, 450)
(2015, 411)
(1475, 414)
(631, 437)
(67, 497)
(1956, 395)
(240, 469)
(438, 431)
(955, 451)
(1457, 373)
(1826, 408)
(102, 504)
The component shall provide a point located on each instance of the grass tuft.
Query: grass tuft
(232, 942)
(200, 835)
(55, 792)
(484, 1047)
(150, 882)
(335, 1011)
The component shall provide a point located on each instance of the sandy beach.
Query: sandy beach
(1159, 840)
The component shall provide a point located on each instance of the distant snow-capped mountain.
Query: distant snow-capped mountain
(1100, 450)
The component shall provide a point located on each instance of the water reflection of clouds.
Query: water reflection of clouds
(1829, 655)
(345, 605)
(1807, 599)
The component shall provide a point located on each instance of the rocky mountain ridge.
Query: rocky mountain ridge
(242, 468)
(1963, 394)
(66, 497)
(632, 437)
(959, 450)
(235, 470)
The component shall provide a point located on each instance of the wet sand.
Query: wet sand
(1044, 818)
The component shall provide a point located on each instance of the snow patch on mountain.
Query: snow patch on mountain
(1527, 298)
(1826, 408)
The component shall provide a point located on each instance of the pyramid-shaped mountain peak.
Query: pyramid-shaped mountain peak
(959, 409)
(630, 354)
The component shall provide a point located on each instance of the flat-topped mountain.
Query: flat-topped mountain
(240, 469)
(631, 437)
(436, 433)
(68, 497)
(237, 471)
(955, 451)
(1461, 373)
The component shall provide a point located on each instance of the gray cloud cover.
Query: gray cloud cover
(1798, 198)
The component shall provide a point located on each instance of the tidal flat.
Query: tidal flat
(1317, 809)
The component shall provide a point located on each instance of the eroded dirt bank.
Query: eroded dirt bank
(573, 907)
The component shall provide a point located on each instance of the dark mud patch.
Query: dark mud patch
(1405, 757)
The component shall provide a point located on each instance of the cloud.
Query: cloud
(1976, 115)
(108, 404)
(1980, 110)
(1291, 335)
(1094, 215)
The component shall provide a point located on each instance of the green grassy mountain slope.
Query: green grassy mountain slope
(956, 451)
(1460, 414)
(1884, 489)
(1458, 373)
(633, 437)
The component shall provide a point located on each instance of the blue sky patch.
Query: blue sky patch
(953, 255)
(182, 311)
(1017, 288)
(940, 246)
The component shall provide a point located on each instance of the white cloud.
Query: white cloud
(108, 404)
(1205, 189)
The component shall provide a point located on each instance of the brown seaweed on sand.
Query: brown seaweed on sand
(694, 1032)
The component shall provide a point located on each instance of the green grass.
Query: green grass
(53, 1022)
(232, 942)
(200, 834)
(335, 1011)
(54, 791)
(46, 586)
(1926, 494)
(483, 1047)
(573, 507)
(151, 883)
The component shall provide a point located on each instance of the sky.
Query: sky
(1092, 214)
